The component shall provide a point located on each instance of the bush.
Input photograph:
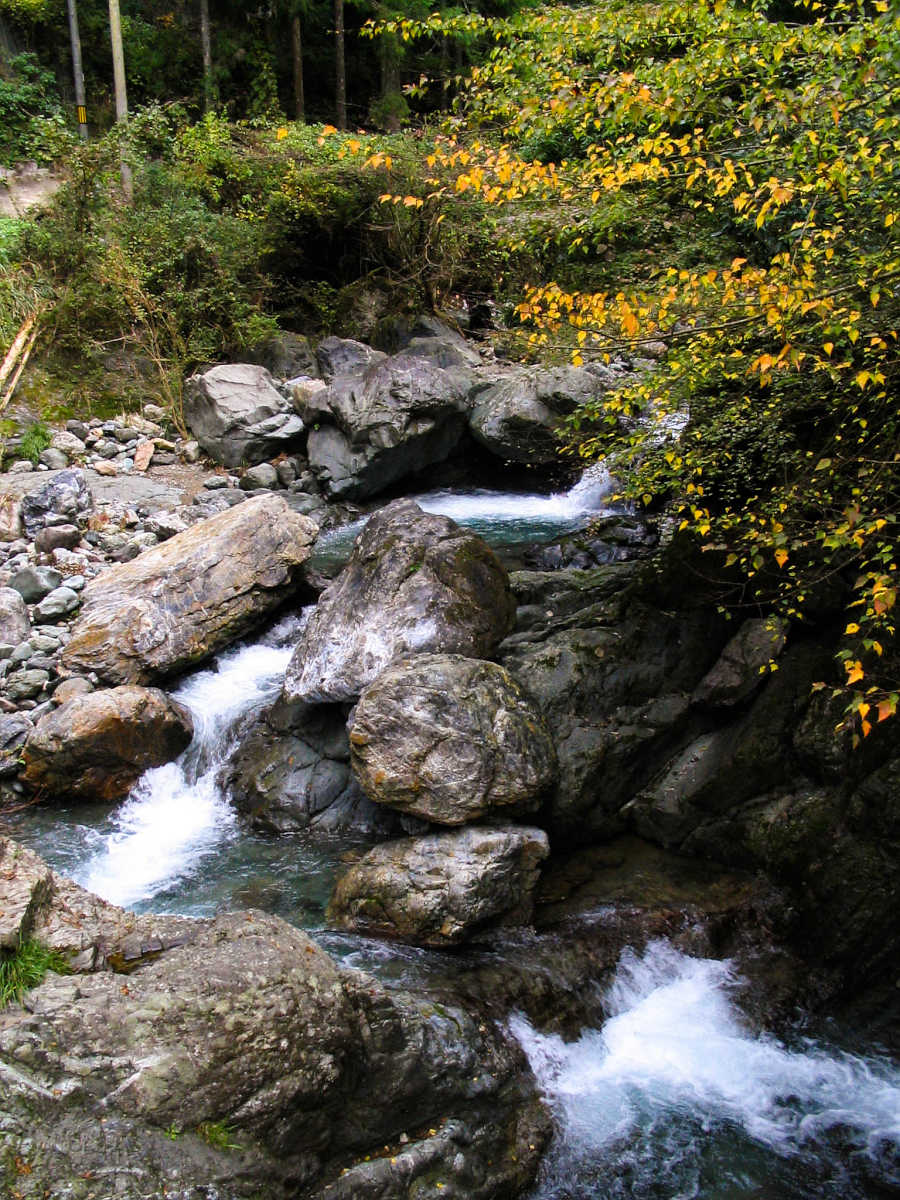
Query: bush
(32, 122)
(24, 968)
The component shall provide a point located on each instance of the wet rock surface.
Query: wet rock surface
(444, 888)
(96, 746)
(291, 772)
(414, 583)
(450, 739)
(248, 1024)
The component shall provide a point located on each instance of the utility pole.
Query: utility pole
(340, 69)
(118, 54)
(77, 72)
(206, 43)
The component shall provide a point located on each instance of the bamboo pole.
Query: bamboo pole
(15, 349)
(26, 354)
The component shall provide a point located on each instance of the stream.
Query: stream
(673, 1098)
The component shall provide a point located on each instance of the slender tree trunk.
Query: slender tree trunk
(118, 55)
(340, 88)
(77, 72)
(206, 46)
(297, 59)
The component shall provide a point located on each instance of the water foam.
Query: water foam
(177, 814)
(644, 1098)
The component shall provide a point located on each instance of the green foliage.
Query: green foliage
(24, 968)
(35, 440)
(217, 1135)
(730, 184)
(32, 125)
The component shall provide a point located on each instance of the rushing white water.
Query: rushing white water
(509, 519)
(177, 814)
(674, 1097)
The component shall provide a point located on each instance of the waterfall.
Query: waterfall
(177, 814)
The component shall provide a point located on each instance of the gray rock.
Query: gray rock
(179, 602)
(262, 476)
(58, 603)
(292, 772)
(190, 452)
(21, 467)
(450, 739)
(54, 459)
(65, 499)
(238, 415)
(34, 583)
(96, 745)
(22, 653)
(14, 624)
(342, 356)
(286, 355)
(14, 730)
(25, 685)
(518, 418)
(743, 664)
(401, 416)
(442, 889)
(69, 440)
(415, 583)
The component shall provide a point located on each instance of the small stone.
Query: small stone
(162, 443)
(68, 442)
(34, 583)
(57, 537)
(143, 455)
(263, 475)
(14, 624)
(21, 653)
(166, 525)
(43, 644)
(75, 582)
(215, 481)
(22, 467)
(68, 689)
(162, 458)
(54, 460)
(190, 452)
(154, 413)
(78, 429)
(25, 685)
(10, 518)
(58, 603)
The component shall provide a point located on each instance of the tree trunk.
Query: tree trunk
(77, 72)
(297, 59)
(118, 55)
(340, 88)
(206, 45)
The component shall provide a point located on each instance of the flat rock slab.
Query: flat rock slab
(159, 487)
(441, 889)
(415, 583)
(180, 602)
(96, 746)
(450, 739)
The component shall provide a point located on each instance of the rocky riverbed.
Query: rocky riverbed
(521, 745)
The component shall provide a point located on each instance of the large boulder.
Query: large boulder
(440, 890)
(291, 771)
(95, 747)
(179, 602)
(368, 431)
(450, 739)
(250, 1030)
(238, 415)
(415, 583)
(518, 418)
(65, 499)
(343, 356)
